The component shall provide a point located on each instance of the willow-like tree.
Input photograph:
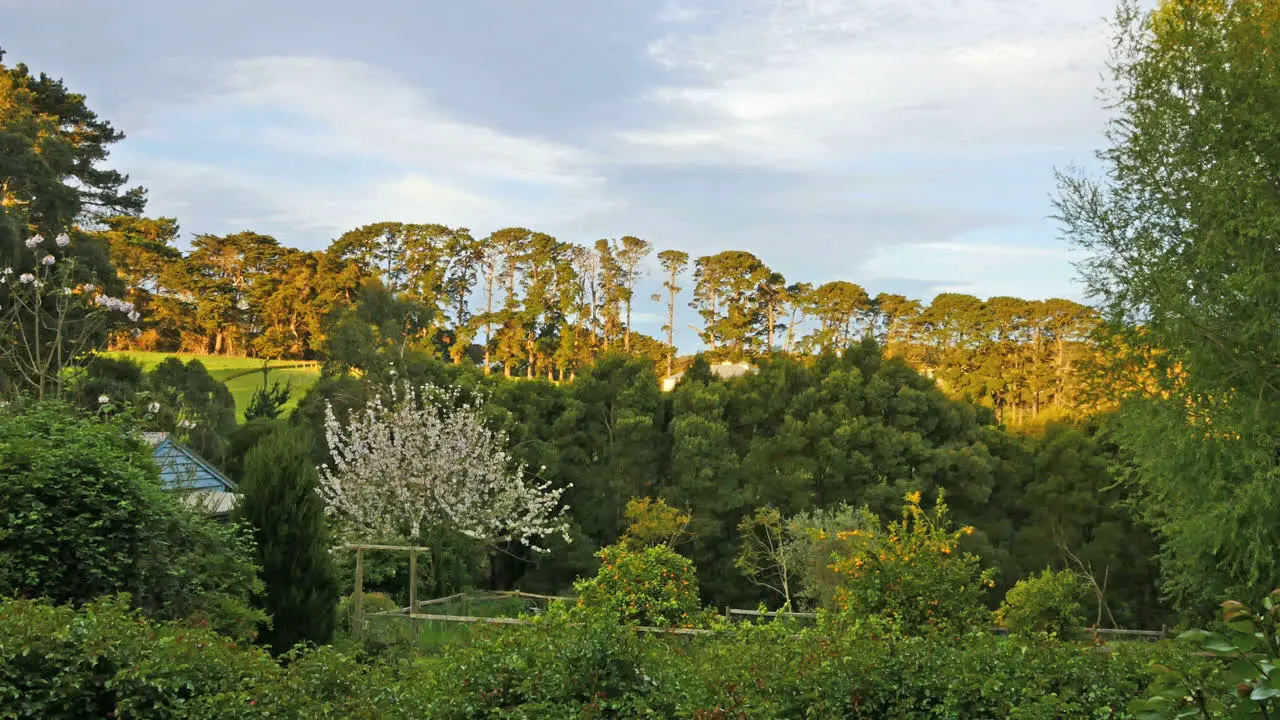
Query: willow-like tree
(1182, 243)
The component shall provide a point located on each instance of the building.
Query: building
(182, 470)
(723, 370)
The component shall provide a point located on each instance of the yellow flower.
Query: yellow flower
(914, 498)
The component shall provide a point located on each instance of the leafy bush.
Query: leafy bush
(76, 497)
(911, 574)
(1049, 602)
(655, 586)
(106, 661)
(82, 514)
(1244, 683)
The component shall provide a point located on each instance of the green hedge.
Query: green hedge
(107, 661)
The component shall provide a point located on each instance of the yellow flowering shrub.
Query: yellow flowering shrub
(912, 574)
(654, 586)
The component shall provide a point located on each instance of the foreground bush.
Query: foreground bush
(107, 661)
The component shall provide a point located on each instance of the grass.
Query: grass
(242, 376)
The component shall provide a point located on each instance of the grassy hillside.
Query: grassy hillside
(241, 375)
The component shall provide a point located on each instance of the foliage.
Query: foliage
(1182, 260)
(267, 403)
(765, 558)
(653, 522)
(1048, 602)
(429, 459)
(1245, 682)
(76, 496)
(280, 501)
(54, 317)
(812, 539)
(911, 574)
(654, 586)
(83, 515)
(57, 662)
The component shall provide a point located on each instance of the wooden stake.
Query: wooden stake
(357, 617)
(413, 593)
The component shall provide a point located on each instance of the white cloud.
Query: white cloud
(365, 112)
(799, 83)
(987, 269)
(383, 150)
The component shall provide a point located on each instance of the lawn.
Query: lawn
(241, 375)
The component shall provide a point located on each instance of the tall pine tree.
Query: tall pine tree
(279, 500)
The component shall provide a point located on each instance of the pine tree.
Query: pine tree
(280, 501)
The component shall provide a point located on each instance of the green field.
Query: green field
(241, 375)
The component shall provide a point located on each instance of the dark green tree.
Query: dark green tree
(279, 500)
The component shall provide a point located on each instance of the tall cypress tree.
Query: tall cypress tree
(280, 501)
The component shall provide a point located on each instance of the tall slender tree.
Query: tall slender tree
(279, 499)
(630, 255)
(673, 263)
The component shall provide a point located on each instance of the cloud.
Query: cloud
(320, 146)
(801, 83)
(982, 268)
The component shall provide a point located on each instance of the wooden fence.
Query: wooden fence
(729, 613)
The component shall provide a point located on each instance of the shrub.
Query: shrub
(655, 586)
(1049, 602)
(911, 574)
(82, 514)
(76, 500)
(287, 515)
(1244, 682)
(105, 660)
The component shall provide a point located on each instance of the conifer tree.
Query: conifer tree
(280, 501)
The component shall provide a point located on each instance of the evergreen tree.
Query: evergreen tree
(280, 501)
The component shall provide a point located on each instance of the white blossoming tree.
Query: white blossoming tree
(50, 322)
(427, 459)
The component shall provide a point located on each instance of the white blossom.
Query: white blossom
(6, 271)
(103, 399)
(153, 408)
(106, 301)
(47, 260)
(34, 241)
(62, 240)
(428, 459)
(89, 287)
(27, 278)
(186, 424)
(134, 316)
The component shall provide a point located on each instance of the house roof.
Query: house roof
(182, 469)
(722, 370)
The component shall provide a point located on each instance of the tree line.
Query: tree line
(531, 305)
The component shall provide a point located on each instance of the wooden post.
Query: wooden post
(357, 616)
(413, 593)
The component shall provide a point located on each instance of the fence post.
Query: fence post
(357, 615)
(413, 593)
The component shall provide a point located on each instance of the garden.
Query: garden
(447, 513)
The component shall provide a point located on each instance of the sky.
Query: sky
(905, 145)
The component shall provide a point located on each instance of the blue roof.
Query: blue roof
(181, 468)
